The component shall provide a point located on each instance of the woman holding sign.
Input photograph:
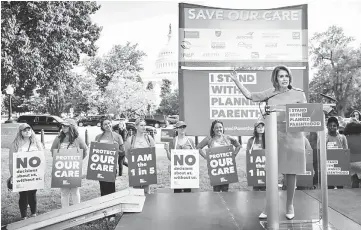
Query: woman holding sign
(257, 142)
(25, 141)
(291, 151)
(216, 139)
(180, 142)
(69, 138)
(108, 136)
(140, 139)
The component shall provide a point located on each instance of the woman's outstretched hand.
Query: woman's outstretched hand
(234, 75)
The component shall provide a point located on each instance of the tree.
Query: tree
(124, 95)
(169, 104)
(165, 88)
(41, 41)
(338, 67)
(120, 58)
(150, 86)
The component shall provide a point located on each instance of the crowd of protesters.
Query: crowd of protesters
(291, 146)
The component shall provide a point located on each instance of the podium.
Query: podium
(313, 121)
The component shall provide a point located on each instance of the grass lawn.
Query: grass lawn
(49, 199)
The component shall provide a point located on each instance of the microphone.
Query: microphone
(290, 87)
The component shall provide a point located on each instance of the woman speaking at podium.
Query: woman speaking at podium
(291, 146)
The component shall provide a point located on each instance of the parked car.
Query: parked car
(173, 119)
(130, 126)
(91, 120)
(153, 122)
(48, 123)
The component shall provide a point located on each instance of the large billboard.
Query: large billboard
(213, 41)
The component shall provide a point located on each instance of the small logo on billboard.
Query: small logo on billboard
(232, 54)
(210, 55)
(188, 55)
(271, 45)
(191, 34)
(65, 182)
(218, 33)
(271, 35)
(296, 35)
(142, 181)
(99, 175)
(244, 45)
(248, 35)
(218, 45)
(186, 44)
(255, 55)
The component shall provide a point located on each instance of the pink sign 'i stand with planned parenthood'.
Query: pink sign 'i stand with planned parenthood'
(304, 118)
(221, 164)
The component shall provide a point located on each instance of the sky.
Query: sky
(147, 22)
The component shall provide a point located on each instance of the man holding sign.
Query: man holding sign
(222, 168)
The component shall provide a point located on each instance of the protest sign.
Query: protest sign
(256, 167)
(67, 168)
(338, 167)
(184, 168)
(142, 166)
(28, 171)
(221, 165)
(102, 162)
(167, 135)
(304, 117)
(306, 180)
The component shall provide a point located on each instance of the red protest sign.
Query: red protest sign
(221, 165)
(142, 166)
(102, 162)
(256, 167)
(67, 168)
(338, 167)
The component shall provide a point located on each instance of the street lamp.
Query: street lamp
(10, 91)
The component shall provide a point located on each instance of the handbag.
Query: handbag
(9, 183)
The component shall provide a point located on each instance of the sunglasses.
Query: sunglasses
(66, 126)
(26, 130)
(182, 127)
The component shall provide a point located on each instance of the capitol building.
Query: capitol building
(166, 67)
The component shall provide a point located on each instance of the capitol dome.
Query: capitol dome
(166, 66)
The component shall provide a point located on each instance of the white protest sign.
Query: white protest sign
(28, 171)
(184, 168)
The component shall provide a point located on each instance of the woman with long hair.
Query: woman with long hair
(215, 139)
(69, 138)
(257, 141)
(291, 150)
(140, 139)
(25, 141)
(110, 137)
(180, 141)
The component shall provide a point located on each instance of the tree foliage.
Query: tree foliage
(125, 95)
(169, 104)
(338, 68)
(41, 41)
(165, 88)
(119, 59)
